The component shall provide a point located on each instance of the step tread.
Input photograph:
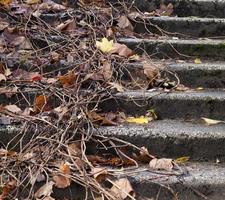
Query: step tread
(168, 128)
(185, 95)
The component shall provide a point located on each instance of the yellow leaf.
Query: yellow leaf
(5, 2)
(212, 121)
(30, 2)
(105, 45)
(139, 120)
(182, 159)
(197, 61)
(199, 88)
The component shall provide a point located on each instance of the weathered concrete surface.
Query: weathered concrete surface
(173, 138)
(177, 48)
(207, 75)
(171, 105)
(203, 181)
(182, 8)
(181, 26)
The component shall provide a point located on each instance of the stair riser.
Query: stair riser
(181, 27)
(177, 48)
(183, 8)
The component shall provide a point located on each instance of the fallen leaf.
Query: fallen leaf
(105, 45)
(74, 149)
(144, 155)
(5, 2)
(124, 23)
(162, 163)
(99, 173)
(117, 86)
(13, 108)
(45, 190)
(165, 10)
(30, 2)
(210, 122)
(182, 160)
(7, 188)
(121, 50)
(199, 88)
(3, 24)
(197, 61)
(63, 180)
(40, 103)
(151, 71)
(2, 77)
(68, 79)
(69, 26)
(122, 188)
(139, 120)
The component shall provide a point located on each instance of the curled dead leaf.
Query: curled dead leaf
(62, 179)
(68, 79)
(122, 188)
(45, 190)
(162, 163)
(13, 108)
(40, 103)
(99, 173)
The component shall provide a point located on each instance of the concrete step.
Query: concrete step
(175, 138)
(177, 48)
(190, 104)
(181, 26)
(206, 75)
(183, 8)
(200, 182)
(170, 105)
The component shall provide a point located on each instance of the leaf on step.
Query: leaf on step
(144, 155)
(210, 122)
(165, 10)
(45, 190)
(69, 26)
(150, 70)
(121, 50)
(13, 108)
(139, 120)
(162, 163)
(124, 23)
(63, 179)
(117, 86)
(197, 61)
(182, 160)
(105, 45)
(122, 188)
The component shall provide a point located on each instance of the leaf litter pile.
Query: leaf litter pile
(59, 63)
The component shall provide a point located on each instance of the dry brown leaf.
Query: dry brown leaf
(117, 86)
(40, 103)
(3, 24)
(63, 180)
(121, 50)
(68, 79)
(30, 2)
(122, 188)
(99, 173)
(74, 149)
(2, 77)
(162, 163)
(165, 10)
(13, 108)
(7, 188)
(124, 23)
(45, 190)
(106, 70)
(151, 71)
(69, 26)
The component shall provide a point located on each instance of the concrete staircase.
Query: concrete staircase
(179, 130)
